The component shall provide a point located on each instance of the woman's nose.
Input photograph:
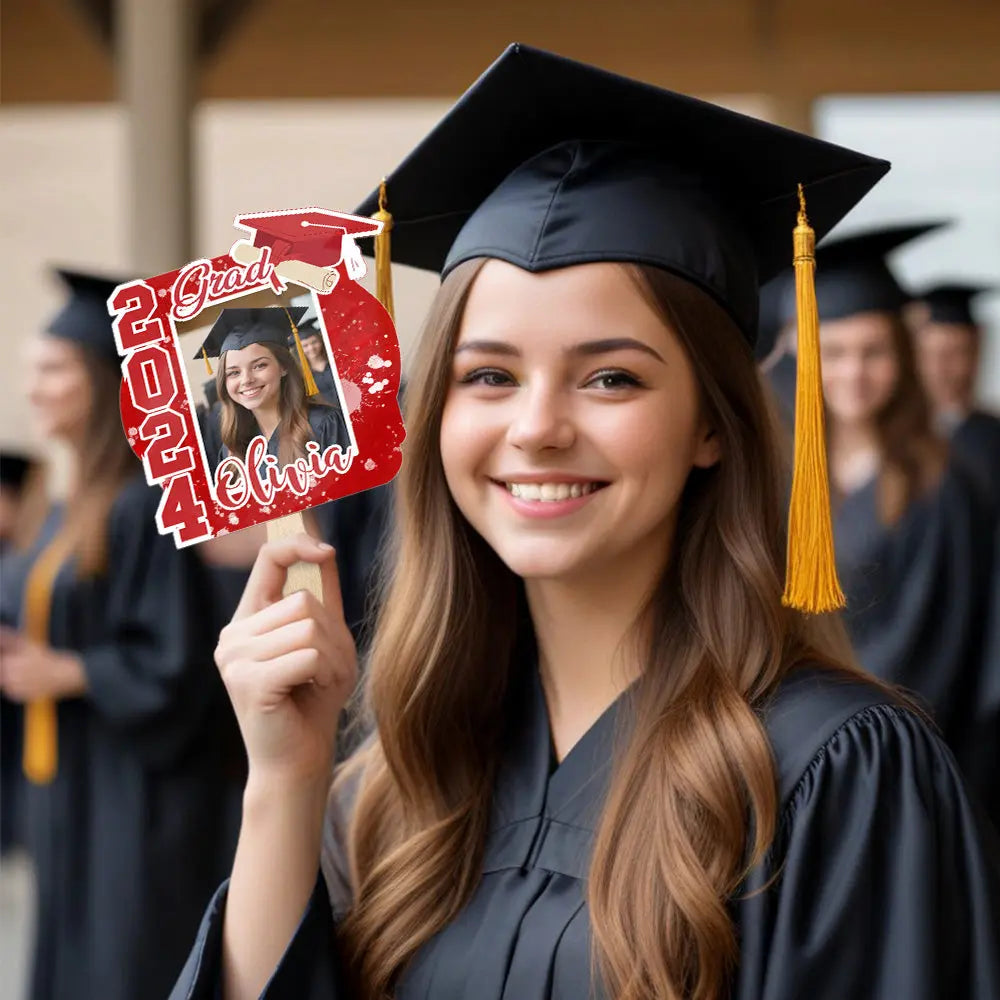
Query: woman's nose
(542, 419)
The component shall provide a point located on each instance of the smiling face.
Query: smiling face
(860, 367)
(253, 377)
(572, 421)
(59, 389)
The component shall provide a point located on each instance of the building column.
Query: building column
(156, 65)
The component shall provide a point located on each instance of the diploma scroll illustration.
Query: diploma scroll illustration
(302, 256)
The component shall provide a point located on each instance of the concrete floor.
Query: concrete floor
(17, 916)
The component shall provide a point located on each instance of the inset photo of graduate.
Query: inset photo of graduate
(265, 386)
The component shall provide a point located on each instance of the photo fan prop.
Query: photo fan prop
(262, 382)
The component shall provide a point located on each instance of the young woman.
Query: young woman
(606, 760)
(912, 528)
(101, 637)
(261, 388)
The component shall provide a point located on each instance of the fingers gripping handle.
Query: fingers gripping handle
(301, 575)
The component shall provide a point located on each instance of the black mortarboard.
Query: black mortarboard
(307, 328)
(84, 318)
(951, 303)
(853, 276)
(547, 162)
(236, 329)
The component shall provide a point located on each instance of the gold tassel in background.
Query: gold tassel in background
(811, 583)
(307, 372)
(208, 364)
(383, 256)
(41, 736)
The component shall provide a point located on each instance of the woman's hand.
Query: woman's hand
(31, 670)
(289, 664)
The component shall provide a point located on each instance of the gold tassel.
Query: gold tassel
(208, 364)
(40, 756)
(383, 256)
(811, 583)
(307, 372)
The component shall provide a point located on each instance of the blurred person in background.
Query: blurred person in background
(322, 371)
(912, 527)
(948, 341)
(104, 637)
(948, 346)
(17, 471)
(775, 349)
(609, 761)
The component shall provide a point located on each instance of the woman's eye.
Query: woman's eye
(492, 377)
(614, 379)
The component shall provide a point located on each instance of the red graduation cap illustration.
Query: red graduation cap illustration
(307, 245)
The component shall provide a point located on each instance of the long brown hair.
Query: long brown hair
(106, 464)
(695, 770)
(238, 425)
(913, 456)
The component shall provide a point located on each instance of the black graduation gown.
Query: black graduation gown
(211, 433)
(327, 385)
(328, 428)
(11, 835)
(976, 441)
(129, 840)
(984, 734)
(917, 596)
(886, 886)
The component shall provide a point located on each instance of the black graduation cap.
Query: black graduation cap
(950, 303)
(852, 275)
(546, 162)
(307, 328)
(84, 318)
(236, 329)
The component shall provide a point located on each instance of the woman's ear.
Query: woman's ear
(708, 449)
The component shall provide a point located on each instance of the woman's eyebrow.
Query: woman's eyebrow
(610, 344)
(488, 347)
(587, 348)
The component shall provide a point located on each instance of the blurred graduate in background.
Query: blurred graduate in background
(103, 638)
(912, 527)
(17, 473)
(315, 353)
(948, 339)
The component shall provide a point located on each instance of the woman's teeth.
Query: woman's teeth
(550, 491)
(251, 392)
